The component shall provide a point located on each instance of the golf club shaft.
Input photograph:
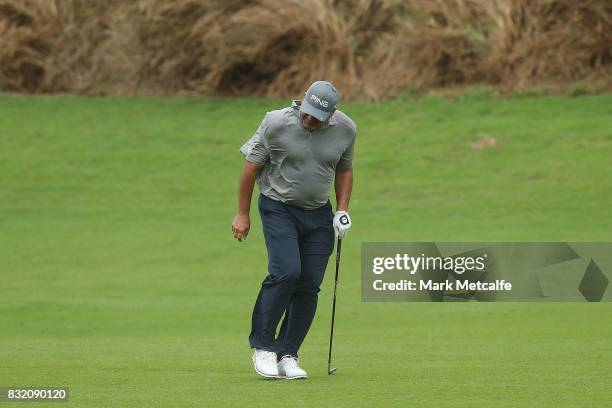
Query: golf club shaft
(331, 334)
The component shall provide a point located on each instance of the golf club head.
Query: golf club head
(331, 371)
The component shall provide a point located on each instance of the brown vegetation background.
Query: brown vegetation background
(372, 49)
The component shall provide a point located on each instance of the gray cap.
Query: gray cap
(320, 100)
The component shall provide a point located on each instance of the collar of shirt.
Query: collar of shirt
(295, 104)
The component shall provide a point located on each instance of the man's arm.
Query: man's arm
(344, 186)
(242, 221)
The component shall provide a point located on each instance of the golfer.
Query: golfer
(294, 155)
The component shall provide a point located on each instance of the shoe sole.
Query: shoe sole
(298, 377)
(266, 376)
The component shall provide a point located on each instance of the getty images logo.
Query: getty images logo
(319, 101)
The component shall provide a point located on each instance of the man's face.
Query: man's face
(310, 122)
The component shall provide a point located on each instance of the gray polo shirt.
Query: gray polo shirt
(299, 165)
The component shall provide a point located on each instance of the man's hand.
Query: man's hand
(342, 223)
(241, 226)
(242, 222)
(344, 186)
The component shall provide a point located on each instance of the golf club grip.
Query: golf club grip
(331, 334)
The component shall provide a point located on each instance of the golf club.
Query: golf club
(331, 370)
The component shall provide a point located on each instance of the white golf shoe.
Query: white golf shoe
(288, 368)
(265, 363)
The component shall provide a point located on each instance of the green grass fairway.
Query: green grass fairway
(119, 276)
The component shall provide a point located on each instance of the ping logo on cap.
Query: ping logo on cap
(319, 101)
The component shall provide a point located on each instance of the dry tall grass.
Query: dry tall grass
(371, 48)
(557, 41)
(28, 29)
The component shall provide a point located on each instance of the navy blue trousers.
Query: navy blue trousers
(299, 243)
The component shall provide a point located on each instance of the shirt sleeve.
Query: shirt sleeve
(346, 160)
(254, 150)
